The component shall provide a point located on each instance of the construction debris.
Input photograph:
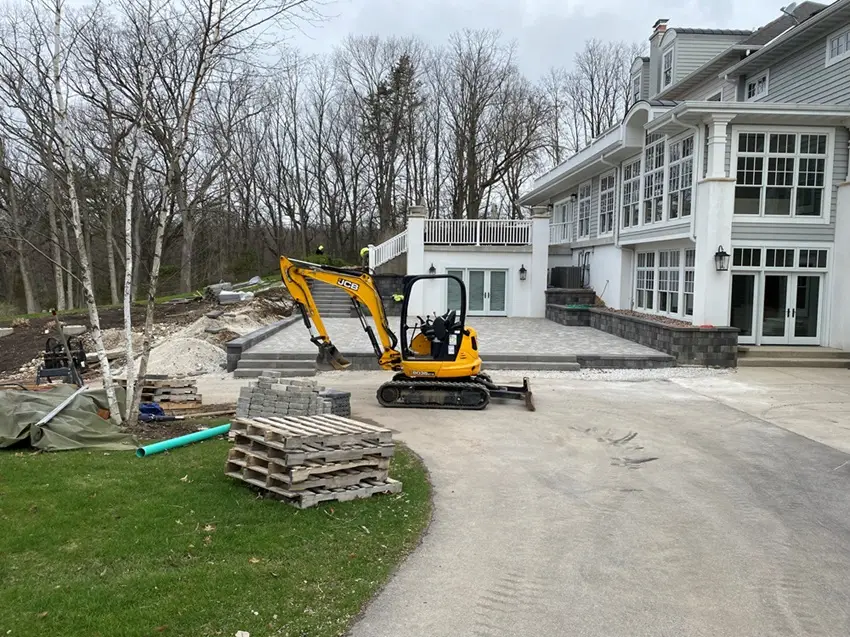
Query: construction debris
(211, 292)
(272, 395)
(162, 389)
(304, 460)
(6, 331)
(226, 297)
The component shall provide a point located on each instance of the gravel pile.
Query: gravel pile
(180, 356)
(664, 320)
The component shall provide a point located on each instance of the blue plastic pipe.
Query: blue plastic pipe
(181, 441)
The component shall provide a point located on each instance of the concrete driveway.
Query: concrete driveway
(711, 506)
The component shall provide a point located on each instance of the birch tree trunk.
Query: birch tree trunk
(56, 249)
(108, 231)
(76, 218)
(128, 281)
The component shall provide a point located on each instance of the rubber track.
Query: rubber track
(430, 385)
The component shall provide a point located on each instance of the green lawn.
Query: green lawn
(106, 544)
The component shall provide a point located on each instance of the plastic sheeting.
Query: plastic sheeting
(77, 426)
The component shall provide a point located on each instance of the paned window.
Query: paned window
(584, 210)
(781, 174)
(645, 280)
(690, 260)
(680, 182)
(653, 180)
(631, 194)
(606, 204)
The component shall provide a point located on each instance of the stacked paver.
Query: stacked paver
(271, 395)
(305, 460)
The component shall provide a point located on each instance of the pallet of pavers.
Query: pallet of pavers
(305, 460)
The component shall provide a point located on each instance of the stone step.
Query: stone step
(489, 365)
(538, 358)
(294, 357)
(767, 352)
(254, 372)
(832, 363)
(251, 360)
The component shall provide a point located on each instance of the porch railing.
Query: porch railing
(478, 232)
(561, 233)
(388, 250)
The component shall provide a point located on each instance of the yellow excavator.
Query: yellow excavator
(438, 365)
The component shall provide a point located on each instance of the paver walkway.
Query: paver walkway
(496, 335)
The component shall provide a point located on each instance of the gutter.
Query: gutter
(697, 169)
(789, 34)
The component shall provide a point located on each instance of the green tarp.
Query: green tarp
(77, 426)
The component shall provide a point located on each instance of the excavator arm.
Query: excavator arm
(360, 286)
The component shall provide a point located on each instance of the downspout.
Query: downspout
(698, 154)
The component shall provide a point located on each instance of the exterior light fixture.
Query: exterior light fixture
(432, 270)
(522, 272)
(574, 197)
(721, 259)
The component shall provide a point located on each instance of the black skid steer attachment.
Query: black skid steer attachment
(511, 392)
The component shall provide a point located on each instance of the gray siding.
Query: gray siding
(708, 89)
(803, 77)
(692, 51)
(730, 91)
(644, 78)
(796, 231)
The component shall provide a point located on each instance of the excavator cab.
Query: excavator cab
(438, 344)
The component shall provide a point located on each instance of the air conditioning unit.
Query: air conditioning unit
(568, 277)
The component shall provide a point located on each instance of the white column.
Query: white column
(839, 288)
(717, 145)
(416, 216)
(713, 226)
(536, 277)
(713, 230)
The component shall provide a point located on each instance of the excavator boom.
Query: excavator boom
(360, 286)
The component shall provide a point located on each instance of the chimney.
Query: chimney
(658, 30)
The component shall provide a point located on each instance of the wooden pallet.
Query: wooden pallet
(294, 432)
(270, 462)
(312, 497)
(180, 398)
(161, 383)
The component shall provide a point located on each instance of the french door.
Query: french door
(777, 308)
(486, 292)
(791, 309)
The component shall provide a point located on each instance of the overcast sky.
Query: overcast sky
(547, 32)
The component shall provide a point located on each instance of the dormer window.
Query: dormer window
(667, 69)
(838, 47)
(757, 87)
(636, 89)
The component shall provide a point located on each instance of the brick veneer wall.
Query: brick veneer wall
(710, 346)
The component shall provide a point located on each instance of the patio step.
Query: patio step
(537, 366)
(788, 356)
(823, 363)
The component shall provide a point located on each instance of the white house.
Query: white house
(737, 143)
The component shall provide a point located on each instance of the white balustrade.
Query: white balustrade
(561, 233)
(478, 231)
(388, 250)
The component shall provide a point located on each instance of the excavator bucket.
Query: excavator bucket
(330, 357)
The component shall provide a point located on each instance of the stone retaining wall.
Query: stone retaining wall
(568, 296)
(237, 346)
(710, 346)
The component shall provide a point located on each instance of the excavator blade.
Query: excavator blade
(330, 357)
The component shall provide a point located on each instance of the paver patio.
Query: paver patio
(530, 336)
